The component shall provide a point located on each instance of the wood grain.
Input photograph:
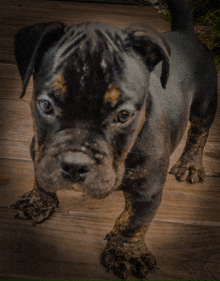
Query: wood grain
(184, 235)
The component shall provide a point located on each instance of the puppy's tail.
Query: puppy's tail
(181, 16)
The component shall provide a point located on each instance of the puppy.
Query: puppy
(109, 107)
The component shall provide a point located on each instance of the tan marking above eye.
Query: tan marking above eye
(112, 96)
(59, 84)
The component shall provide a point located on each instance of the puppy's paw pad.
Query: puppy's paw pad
(125, 258)
(36, 205)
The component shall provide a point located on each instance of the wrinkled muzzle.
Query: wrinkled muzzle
(74, 160)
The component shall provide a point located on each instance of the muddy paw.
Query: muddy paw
(36, 205)
(124, 258)
(188, 171)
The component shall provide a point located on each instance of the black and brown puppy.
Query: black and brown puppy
(109, 107)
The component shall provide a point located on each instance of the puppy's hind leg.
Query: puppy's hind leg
(189, 167)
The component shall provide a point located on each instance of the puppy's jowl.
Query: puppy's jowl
(109, 107)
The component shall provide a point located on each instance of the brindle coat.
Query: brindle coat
(109, 106)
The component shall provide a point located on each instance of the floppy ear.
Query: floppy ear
(30, 45)
(147, 42)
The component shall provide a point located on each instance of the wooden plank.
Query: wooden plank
(62, 248)
(184, 235)
(69, 247)
(181, 201)
(34, 11)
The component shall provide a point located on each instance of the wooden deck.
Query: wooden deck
(184, 235)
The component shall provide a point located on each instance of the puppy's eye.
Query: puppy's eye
(46, 107)
(123, 116)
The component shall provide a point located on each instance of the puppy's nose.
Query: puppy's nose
(75, 166)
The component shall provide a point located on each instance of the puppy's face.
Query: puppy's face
(89, 105)
(89, 101)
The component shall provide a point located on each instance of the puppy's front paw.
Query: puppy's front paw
(36, 205)
(127, 257)
(188, 170)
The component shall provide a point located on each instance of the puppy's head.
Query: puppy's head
(89, 101)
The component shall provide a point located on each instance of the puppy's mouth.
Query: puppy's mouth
(78, 171)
